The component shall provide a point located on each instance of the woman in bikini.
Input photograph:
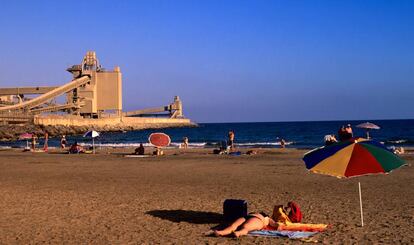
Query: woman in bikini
(242, 226)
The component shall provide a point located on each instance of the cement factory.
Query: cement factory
(93, 98)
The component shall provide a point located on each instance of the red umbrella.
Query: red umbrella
(159, 139)
(25, 136)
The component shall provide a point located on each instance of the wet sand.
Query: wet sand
(109, 199)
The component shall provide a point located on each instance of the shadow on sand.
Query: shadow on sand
(194, 217)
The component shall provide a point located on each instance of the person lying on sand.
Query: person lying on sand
(251, 152)
(399, 150)
(242, 226)
(256, 221)
(75, 148)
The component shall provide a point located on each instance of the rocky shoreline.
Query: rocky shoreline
(12, 132)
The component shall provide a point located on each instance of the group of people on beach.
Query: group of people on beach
(34, 142)
(344, 133)
(228, 145)
(74, 148)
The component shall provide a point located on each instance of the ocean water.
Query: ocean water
(261, 134)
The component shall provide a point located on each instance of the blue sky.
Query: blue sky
(229, 61)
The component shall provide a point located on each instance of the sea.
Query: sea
(393, 133)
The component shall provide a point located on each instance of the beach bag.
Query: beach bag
(295, 215)
(234, 209)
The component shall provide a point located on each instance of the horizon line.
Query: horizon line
(333, 120)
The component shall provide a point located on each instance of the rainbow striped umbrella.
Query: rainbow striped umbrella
(351, 158)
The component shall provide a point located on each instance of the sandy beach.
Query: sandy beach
(109, 199)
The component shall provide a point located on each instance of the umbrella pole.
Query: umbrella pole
(93, 145)
(367, 133)
(360, 203)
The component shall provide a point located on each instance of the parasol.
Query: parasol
(368, 126)
(93, 134)
(159, 139)
(26, 136)
(355, 157)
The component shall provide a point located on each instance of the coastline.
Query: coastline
(12, 132)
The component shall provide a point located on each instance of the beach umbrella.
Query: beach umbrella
(368, 126)
(93, 134)
(26, 136)
(355, 157)
(159, 139)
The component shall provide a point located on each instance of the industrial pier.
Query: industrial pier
(92, 99)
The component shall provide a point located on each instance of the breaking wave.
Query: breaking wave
(190, 145)
(399, 141)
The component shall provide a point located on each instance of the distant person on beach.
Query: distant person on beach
(185, 143)
(63, 142)
(45, 145)
(223, 148)
(251, 152)
(330, 139)
(282, 143)
(345, 133)
(230, 141)
(140, 150)
(34, 139)
(399, 150)
(158, 152)
(349, 133)
(75, 148)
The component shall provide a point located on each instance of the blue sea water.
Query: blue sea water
(261, 134)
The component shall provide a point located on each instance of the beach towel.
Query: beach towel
(136, 156)
(236, 153)
(297, 227)
(289, 234)
(300, 227)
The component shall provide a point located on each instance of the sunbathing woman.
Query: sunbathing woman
(242, 226)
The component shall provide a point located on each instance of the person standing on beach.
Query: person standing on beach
(282, 143)
(34, 138)
(45, 145)
(230, 141)
(185, 143)
(63, 142)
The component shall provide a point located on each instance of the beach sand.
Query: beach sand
(173, 199)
